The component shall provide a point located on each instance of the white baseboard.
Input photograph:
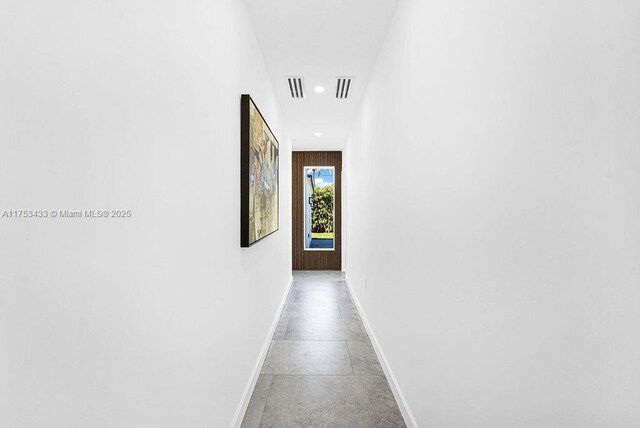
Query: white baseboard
(248, 391)
(393, 383)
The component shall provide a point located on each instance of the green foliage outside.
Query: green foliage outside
(322, 212)
(322, 235)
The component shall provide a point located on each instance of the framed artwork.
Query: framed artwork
(260, 176)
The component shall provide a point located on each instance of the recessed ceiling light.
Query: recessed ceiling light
(319, 89)
(318, 134)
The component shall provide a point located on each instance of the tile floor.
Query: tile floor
(321, 370)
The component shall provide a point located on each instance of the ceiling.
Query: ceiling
(320, 40)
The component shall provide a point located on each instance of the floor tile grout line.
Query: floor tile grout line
(285, 328)
(266, 358)
(320, 340)
(346, 343)
(349, 376)
(266, 395)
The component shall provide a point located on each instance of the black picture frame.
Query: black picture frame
(246, 102)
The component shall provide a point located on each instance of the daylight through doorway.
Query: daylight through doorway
(319, 202)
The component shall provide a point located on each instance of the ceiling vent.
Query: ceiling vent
(342, 87)
(296, 86)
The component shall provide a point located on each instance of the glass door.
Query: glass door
(319, 208)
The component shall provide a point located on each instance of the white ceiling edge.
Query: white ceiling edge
(319, 144)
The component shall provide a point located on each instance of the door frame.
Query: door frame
(311, 259)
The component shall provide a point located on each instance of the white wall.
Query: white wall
(157, 320)
(494, 210)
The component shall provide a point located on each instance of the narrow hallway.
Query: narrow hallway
(321, 369)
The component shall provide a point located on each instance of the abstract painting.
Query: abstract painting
(259, 180)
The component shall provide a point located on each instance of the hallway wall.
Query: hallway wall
(156, 320)
(494, 215)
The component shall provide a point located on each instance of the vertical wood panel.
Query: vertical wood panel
(315, 260)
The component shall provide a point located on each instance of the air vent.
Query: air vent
(296, 86)
(343, 86)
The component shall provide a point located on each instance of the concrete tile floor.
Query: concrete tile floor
(321, 370)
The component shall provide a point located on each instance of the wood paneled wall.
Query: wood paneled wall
(315, 260)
